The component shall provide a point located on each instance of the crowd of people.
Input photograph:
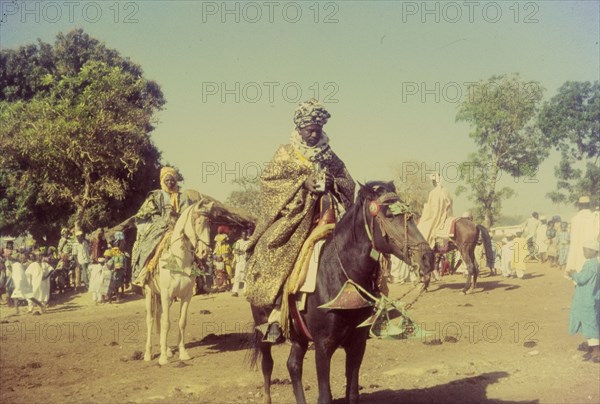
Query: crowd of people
(32, 274)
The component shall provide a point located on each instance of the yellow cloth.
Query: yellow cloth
(166, 171)
(298, 275)
(173, 192)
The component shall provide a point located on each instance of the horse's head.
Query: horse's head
(392, 228)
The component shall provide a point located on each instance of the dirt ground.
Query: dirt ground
(510, 345)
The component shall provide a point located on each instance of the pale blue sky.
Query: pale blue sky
(389, 79)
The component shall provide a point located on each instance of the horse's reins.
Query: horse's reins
(374, 211)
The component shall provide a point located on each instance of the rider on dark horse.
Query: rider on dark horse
(435, 212)
(292, 189)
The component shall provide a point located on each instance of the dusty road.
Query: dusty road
(511, 346)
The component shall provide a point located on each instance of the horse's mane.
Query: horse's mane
(185, 223)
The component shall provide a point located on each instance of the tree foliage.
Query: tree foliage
(75, 120)
(501, 112)
(486, 204)
(571, 123)
(412, 183)
(246, 198)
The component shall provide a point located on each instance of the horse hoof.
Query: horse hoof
(163, 360)
(169, 353)
(184, 356)
(463, 292)
(147, 357)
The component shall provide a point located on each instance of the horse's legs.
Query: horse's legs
(294, 365)
(165, 323)
(260, 316)
(185, 303)
(467, 252)
(267, 369)
(323, 353)
(149, 324)
(354, 356)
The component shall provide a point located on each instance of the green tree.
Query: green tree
(571, 122)
(246, 198)
(501, 112)
(413, 183)
(487, 204)
(74, 135)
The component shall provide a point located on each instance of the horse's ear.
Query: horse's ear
(392, 185)
(361, 188)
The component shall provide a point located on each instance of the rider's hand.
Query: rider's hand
(311, 184)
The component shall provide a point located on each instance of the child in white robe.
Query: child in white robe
(96, 279)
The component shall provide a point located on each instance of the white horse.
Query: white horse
(175, 278)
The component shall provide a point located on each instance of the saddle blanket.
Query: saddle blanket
(446, 230)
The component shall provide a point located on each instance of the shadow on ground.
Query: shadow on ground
(224, 343)
(468, 390)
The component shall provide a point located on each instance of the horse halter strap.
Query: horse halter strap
(397, 208)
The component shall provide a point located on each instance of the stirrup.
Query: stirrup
(271, 333)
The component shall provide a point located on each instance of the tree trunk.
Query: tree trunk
(491, 181)
(84, 204)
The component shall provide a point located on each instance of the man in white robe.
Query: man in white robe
(240, 260)
(530, 228)
(506, 252)
(38, 273)
(435, 212)
(541, 240)
(584, 226)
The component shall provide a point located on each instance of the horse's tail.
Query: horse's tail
(487, 245)
(255, 339)
(254, 354)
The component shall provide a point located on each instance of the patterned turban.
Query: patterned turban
(310, 112)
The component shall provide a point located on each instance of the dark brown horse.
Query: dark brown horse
(377, 221)
(466, 237)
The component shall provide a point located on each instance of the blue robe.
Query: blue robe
(585, 309)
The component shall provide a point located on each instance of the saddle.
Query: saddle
(445, 233)
(326, 210)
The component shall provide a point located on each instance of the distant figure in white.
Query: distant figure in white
(240, 257)
(435, 212)
(38, 275)
(530, 228)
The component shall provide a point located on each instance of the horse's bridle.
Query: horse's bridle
(396, 207)
(195, 243)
